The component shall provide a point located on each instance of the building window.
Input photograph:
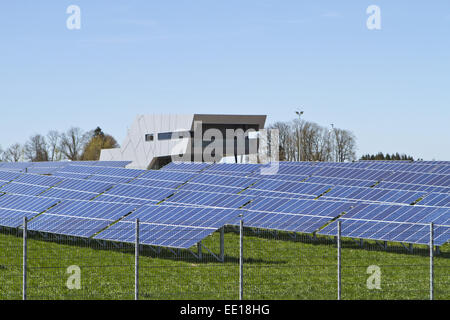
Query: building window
(149, 137)
(174, 135)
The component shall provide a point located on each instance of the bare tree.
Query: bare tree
(36, 149)
(14, 153)
(302, 140)
(54, 141)
(72, 143)
(344, 143)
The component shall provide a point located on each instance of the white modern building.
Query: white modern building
(157, 139)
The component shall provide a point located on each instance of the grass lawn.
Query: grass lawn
(276, 266)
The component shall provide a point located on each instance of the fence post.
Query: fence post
(222, 244)
(24, 262)
(241, 259)
(136, 263)
(431, 261)
(339, 288)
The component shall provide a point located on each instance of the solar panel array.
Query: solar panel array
(183, 203)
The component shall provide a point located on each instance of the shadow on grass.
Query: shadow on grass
(347, 243)
(183, 255)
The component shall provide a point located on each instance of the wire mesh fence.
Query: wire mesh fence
(266, 265)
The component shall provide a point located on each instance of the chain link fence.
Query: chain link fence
(232, 263)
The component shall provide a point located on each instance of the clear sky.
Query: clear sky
(391, 87)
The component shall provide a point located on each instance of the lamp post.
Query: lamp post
(299, 113)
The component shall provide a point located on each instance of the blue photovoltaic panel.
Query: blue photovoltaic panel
(84, 170)
(140, 192)
(85, 185)
(155, 183)
(184, 216)
(420, 178)
(120, 164)
(282, 221)
(186, 166)
(209, 188)
(167, 175)
(433, 199)
(279, 177)
(387, 231)
(254, 193)
(92, 209)
(119, 172)
(7, 176)
(399, 213)
(66, 225)
(25, 189)
(38, 180)
(220, 180)
(232, 168)
(351, 173)
(14, 218)
(302, 171)
(157, 235)
(121, 199)
(43, 171)
(411, 187)
(296, 188)
(319, 208)
(110, 179)
(372, 194)
(69, 175)
(26, 203)
(209, 199)
(69, 194)
(342, 182)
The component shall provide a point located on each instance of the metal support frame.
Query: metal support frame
(25, 256)
(222, 245)
(431, 261)
(339, 249)
(136, 262)
(241, 259)
(199, 250)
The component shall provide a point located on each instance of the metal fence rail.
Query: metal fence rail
(236, 262)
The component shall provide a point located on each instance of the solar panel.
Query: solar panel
(92, 209)
(38, 180)
(184, 216)
(433, 199)
(209, 199)
(13, 208)
(186, 166)
(155, 234)
(69, 194)
(25, 189)
(66, 225)
(282, 222)
(387, 231)
(140, 192)
(85, 185)
(155, 183)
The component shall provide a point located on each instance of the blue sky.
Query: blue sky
(389, 86)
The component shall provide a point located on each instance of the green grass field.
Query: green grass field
(276, 266)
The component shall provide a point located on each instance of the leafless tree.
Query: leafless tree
(344, 143)
(72, 143)
(302, 140)
(54, 141)
(36, 149)
(14, 153)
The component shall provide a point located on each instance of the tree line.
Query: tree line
(387, 156)
(301, 140)
(73, 144)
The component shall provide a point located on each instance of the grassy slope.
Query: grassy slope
(276, 267)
